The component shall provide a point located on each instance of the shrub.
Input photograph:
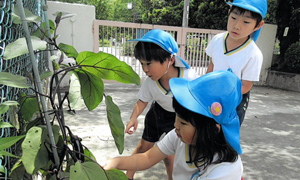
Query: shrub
(127, 49)
(107, 43)
(292, 58)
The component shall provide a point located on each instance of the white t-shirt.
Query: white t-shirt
(245, 61)
(182, 170)
(152, 90)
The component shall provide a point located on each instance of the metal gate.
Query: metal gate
(111, 37)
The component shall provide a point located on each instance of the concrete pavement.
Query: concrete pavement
(270, 136)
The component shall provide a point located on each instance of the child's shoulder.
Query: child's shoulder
(220, 35)
(188, 73)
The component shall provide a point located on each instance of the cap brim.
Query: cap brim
(245, 6)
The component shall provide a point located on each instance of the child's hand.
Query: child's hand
(132, 123)
(111, 164)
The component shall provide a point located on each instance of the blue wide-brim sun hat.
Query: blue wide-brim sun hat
(258, 6)
(165, 41)
(215, 95)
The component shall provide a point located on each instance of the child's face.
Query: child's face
(154, 69)
(184, 130)
(240, 26)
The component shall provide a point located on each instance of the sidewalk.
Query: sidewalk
(270, 135)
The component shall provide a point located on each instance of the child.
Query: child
(156, 51)
(206, 138)
(236, 48)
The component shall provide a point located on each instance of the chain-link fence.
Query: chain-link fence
(9, 32)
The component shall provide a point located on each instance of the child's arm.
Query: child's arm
(136, 162)
(138, 109)
(210, 67)
(246, 86)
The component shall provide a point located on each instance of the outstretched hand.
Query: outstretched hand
(111, 164)
(133, 123)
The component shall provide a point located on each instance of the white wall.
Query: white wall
(266, 42)
(77, 30)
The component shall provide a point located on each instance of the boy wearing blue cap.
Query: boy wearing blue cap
(206, 138)
(156, 51)
(236, 49)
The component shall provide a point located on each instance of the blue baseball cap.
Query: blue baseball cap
(165, 41)
(215, 95)
(258, 6)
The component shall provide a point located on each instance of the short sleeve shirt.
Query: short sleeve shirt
(245, 61)
(153, 90)
(184, 170)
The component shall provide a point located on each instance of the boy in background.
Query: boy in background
(236, 49)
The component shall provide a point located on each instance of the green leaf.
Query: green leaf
(43, 26)
(115, 123)
(28, 107)
(11, 103)
(5, 153)
(29, 16)
(58, 18)
(12, 80)
(9, 141)
(69, 50)
(46, 75)
(74, 91)
(35, 155)
(89, 154)
(18, 171)
(19, 47)
(3, 108)
(5, 125)
(92, 88)
(56, 66)
(13, 117)
(87, 171)
(107, 67)
(116, 174)
(2, 170)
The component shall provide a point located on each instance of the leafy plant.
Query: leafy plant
(50, 147)
(292, 58)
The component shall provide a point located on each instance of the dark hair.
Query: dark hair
(242, 11)
(209, 139)
(150, 52)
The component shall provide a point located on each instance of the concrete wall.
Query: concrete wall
(283, 80)
(266, 43)
(76, 30)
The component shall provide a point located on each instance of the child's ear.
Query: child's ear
(219, 127)
(259, 25)
(173, 59)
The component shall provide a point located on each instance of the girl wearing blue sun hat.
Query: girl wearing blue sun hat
(206, 138)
